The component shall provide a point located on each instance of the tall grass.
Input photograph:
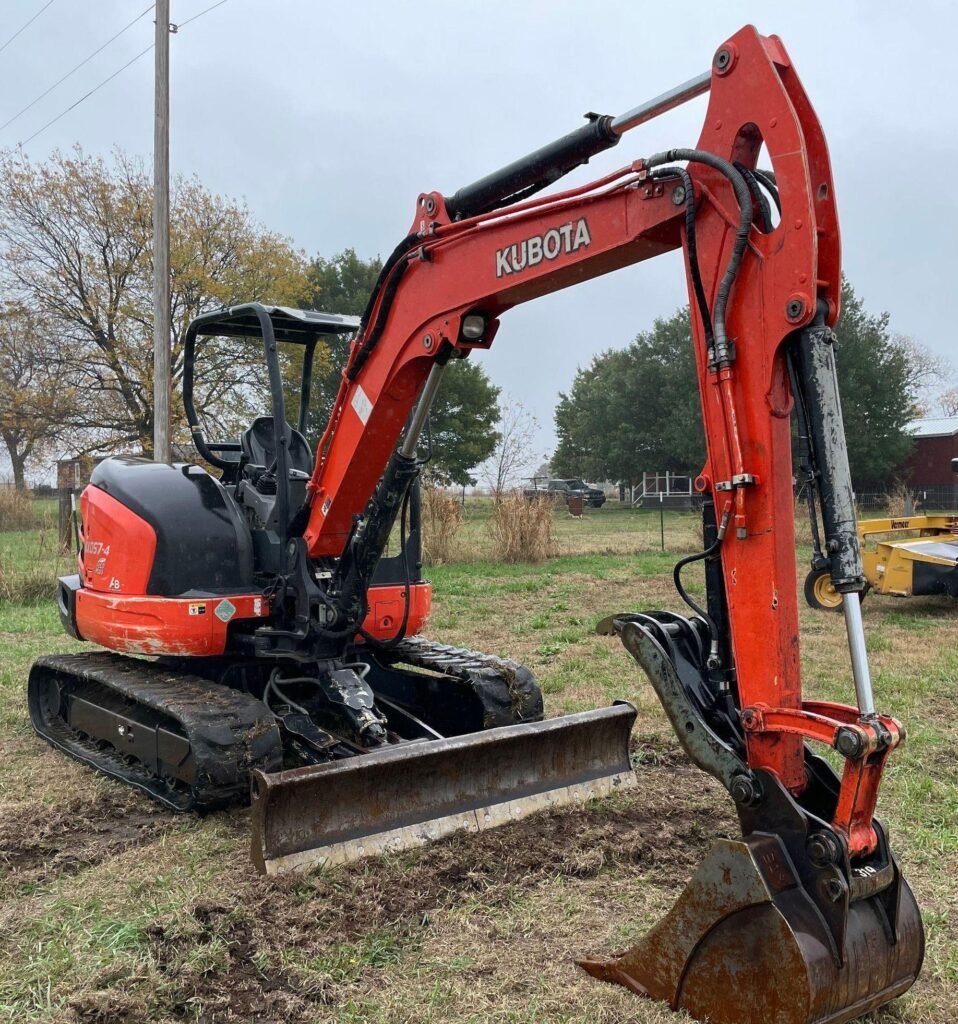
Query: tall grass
(31, 579)
(441, 520)
(522, 529)
(18, 511)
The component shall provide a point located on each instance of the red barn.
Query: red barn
(928, 470)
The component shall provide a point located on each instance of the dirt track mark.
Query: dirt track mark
(241, 987)
(38, 843)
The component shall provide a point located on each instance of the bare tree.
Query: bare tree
(925, 372)
(75, 244)
(948, 402)
(513, 454)
(36, 398)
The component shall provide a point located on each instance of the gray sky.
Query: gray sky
(329, 119)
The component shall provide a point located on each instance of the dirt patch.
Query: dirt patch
(216, 971)
(38, 843)
(263, 950)
(107, 1007)
(656, 832)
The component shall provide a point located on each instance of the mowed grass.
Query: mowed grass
(113, 910)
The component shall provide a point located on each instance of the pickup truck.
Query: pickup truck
(562, 490)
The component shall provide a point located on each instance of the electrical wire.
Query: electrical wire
(23, 28)
(183, 24)
(76, 68)
(110, 78)
(86, 96)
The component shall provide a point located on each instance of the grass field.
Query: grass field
(113, 910)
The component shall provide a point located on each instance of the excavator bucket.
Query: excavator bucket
(745, 944)
(780, 927)
(407, 795)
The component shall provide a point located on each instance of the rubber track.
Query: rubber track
(508, 690)
(230, 732)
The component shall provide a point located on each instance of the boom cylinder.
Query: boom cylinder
(547, 164)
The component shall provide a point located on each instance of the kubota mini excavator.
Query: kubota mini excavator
(285, 647)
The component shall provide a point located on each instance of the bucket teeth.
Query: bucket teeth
(745, 944)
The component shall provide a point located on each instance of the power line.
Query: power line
(86, 96)
(183, 24)
(73, 70)
(25, 27)
(110, 78)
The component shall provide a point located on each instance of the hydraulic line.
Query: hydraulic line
(744, 199)
(714, 660)
(694, 270)
(722, 355)
(757, 194)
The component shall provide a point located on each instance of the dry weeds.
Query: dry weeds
(522, 529)
(441, 520)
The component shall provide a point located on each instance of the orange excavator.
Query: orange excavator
(258, 631)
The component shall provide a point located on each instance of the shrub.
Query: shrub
(441, 519)
(17, 511)
(522, 528)
(900, 501)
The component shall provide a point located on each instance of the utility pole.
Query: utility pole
(162, 451)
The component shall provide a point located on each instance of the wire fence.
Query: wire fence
(933, 498)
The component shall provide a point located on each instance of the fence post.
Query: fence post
(662, 520)
(68, 479)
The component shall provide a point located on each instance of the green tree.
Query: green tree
(634, 410)
(342, 285)
(880, 376)
(463, 423)
(637, 409)
(465, 412)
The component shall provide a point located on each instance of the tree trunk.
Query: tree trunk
(18, 459)
(19, 477)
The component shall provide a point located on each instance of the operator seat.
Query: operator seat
(259, 449)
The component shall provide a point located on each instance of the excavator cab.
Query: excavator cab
(269, 464)
(266, 470)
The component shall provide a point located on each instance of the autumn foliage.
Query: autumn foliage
(76, 269)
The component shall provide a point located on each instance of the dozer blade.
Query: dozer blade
(745, 944)
(407, 795)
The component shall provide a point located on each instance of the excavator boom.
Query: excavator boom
(762, 252)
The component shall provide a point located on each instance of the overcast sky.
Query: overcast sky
(330, 118)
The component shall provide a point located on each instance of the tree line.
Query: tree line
(636, 410)
(76, 343)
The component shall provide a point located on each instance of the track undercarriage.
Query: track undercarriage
(189, 731)
(378, 750)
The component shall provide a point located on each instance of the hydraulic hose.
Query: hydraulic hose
(744, 198)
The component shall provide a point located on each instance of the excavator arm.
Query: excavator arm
(443, 292)
(762, 254)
